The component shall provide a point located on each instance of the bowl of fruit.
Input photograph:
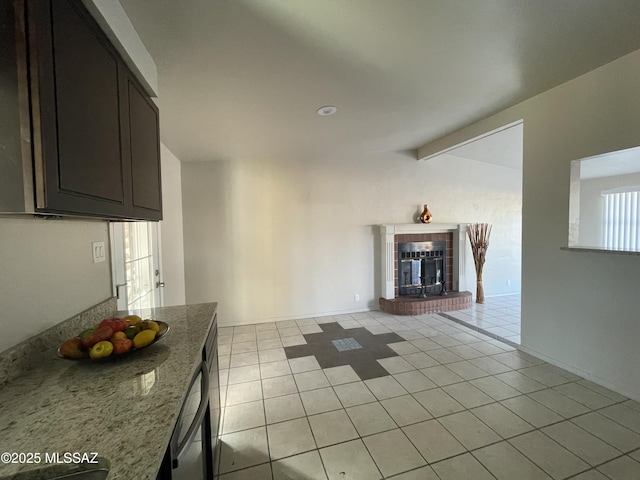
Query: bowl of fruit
(113, 337)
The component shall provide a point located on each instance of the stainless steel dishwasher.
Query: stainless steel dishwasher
(192, 451)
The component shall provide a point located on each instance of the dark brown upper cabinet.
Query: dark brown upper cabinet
(93, 134)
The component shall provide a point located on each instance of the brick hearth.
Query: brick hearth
(408, 305)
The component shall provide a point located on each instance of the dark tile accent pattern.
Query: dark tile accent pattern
(362, 360)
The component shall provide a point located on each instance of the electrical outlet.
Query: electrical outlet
(99, 254)
(356, 297)
(508, 283)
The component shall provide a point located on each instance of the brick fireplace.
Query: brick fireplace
(454, 237)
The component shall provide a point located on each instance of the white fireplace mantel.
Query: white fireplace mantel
(387, 253)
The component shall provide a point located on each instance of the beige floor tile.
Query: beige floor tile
(489, 365)
(633, 404)
(356, 393)
(289, 332)
(583, 395)
(286, 324)
(306, 465)
(349, 460)
(441, 375)
(290, 438)
(423, 473)
(444, 356)
(243, 337)
(590, 475)
(304, 364)
(420, 360)
(272, 355)
(425, 344)
(244, 392)
(311, 380)
(520, 382)
(626, 416)
(496, 389)
(243, 374)
(466, 351)
(616, 397)
(243, 449)
(341, 375)
(274, 369)
(263, 472)
(512, 360)
(403, 348)
(320, 401)
(549, 455)
(531, 411)
(278, 386)
(332, 427)
(487, 348)
(385, 387)
(286, 407)
(414, 381)
(559, 403)
(462, 467)
(466, 370)
(270, 342)
(371, 418)
(395, 364)
(586, 446)
(265, 326)
(502, 420)
(243, 416)
(393, 452)
(544, 376)
(611, 432)
(468, 395)
(623, 468)
(244, 347)
(506, 463)
(468, 430)
(433, 441)
(438, 402)
(405, 410)
(293, 341)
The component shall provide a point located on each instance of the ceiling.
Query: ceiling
(244, 78)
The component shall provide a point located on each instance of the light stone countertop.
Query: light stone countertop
(123, 408)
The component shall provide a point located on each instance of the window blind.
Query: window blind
(621, 220)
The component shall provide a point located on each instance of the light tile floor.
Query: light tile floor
(497, 316)
(456, 405)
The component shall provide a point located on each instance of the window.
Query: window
(621, 219)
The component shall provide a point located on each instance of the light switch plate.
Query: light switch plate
(99, 254)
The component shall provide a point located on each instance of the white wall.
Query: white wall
(278, 238)
(48, 274)
(579, 309)
(171, 236)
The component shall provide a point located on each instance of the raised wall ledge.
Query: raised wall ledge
(599, 250)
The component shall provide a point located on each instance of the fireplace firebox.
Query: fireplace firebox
(421, 268)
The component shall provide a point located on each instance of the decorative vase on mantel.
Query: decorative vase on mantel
(425, 216)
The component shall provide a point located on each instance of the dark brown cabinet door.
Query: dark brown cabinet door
(144, 154)
(79, 116)
(95, 131)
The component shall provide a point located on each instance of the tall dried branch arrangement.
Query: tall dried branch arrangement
(479, 238)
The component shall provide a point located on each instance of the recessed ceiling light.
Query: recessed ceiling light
(326, 110)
